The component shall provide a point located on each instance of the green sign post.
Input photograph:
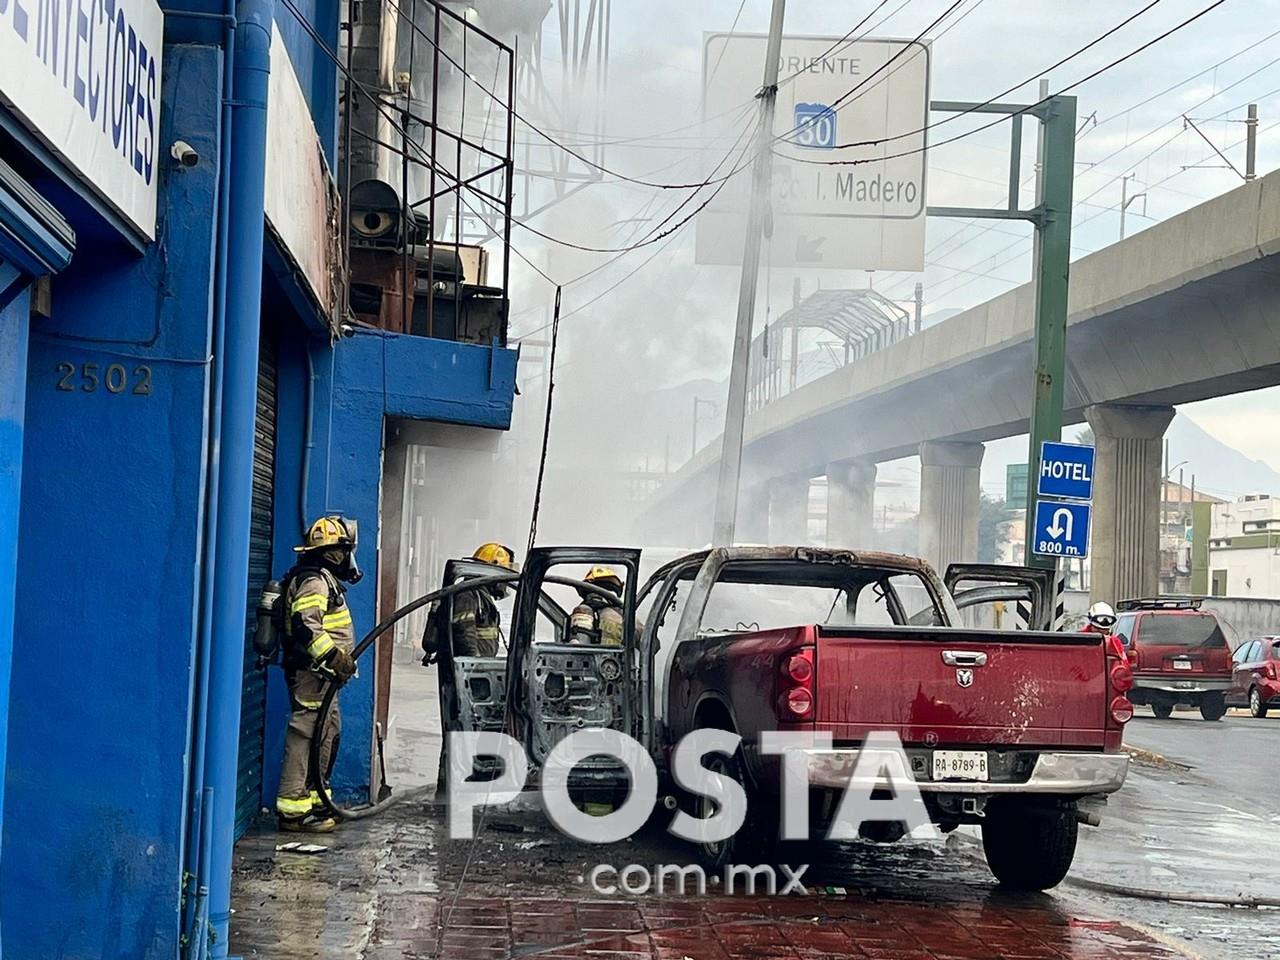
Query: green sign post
(1051, 217)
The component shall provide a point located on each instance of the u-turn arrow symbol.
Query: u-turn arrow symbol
(1063, 523)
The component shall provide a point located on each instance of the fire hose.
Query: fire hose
(331, 691)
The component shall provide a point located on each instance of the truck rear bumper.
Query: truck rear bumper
(1070, 774)
(1175, 684)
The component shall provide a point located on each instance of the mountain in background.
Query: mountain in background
(1218, 468)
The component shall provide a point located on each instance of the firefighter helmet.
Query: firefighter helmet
(604, 577)
(331, 531)
(496, 554)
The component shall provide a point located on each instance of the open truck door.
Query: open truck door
(1001, 597)
(474, 690)
(557, 687)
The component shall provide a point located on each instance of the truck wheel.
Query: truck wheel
(1256, 707)
(1029, 847)
(1162, 710)
(1213, 706)
(745, 846)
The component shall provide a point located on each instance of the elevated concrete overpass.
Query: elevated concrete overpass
(1186, 310)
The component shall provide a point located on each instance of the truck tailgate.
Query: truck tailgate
(945, 686)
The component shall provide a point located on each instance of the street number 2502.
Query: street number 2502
(116, 378)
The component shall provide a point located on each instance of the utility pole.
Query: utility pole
(1251, 143)
(726, 508)
(1125, 199)
(1052, 259)
(919, 306)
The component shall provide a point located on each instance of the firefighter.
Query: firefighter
(477, 623)
(319, 636)
(598, 619)
(1101, 619)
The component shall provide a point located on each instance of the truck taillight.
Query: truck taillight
(799, 702)
(800, 666)
(1270, 671)
(795, 699)
(1121, 677)
(1120, 673)
(1121, 710)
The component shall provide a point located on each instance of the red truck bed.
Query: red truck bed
(962, 686)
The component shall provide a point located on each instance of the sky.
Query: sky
(653, 318)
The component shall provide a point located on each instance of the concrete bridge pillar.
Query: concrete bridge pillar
(1125, 548)
(752, 525)
(851, 504)
(949, 495)
(789, 511)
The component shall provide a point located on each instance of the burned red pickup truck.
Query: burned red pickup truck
(1013, 730)
(1008, 730)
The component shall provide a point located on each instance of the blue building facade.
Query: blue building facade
(177, 399)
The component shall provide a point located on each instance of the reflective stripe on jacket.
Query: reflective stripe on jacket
(318, 617)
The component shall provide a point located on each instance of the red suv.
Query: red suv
(1178, 654)
(1255, 675)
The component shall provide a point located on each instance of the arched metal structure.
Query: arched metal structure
(860, 322)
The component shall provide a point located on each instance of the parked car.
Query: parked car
(1009, 730)
(1255, 675)
(1178, 653)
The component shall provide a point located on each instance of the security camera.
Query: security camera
(347, 330)
(184, 153)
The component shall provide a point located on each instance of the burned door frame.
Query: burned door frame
(1033, 586)
(524, 653)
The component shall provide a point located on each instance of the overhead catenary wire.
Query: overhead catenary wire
(991, 225)
(1091, 217)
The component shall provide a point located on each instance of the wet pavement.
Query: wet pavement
(396, 886)
(1205, 822)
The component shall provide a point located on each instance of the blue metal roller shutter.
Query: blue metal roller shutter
(253, 703)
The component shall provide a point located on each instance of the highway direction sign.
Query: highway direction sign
(1066, 470)
(1062, 529)
(869, 215)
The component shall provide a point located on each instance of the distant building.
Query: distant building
(1244, 547)
(1176, 535)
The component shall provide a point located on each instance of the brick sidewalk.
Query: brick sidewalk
(394, 887)
(710, 928)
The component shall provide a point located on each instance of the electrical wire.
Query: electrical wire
(732, 27)
(625, 178)
(991, 225)
(1025, 109)
(1186, 80)
(546, 425)
(1177, 173)
(1003, 93)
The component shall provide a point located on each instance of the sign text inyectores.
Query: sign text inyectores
(84, 76)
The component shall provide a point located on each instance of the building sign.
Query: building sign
(1066, 470)
(864, 215)
(301, 202)
(84, 76)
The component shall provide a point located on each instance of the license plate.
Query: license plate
(959, 765)
(1182, 664)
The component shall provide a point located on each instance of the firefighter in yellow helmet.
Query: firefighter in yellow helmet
(477, 622)
(319, 636)
(598, 619)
